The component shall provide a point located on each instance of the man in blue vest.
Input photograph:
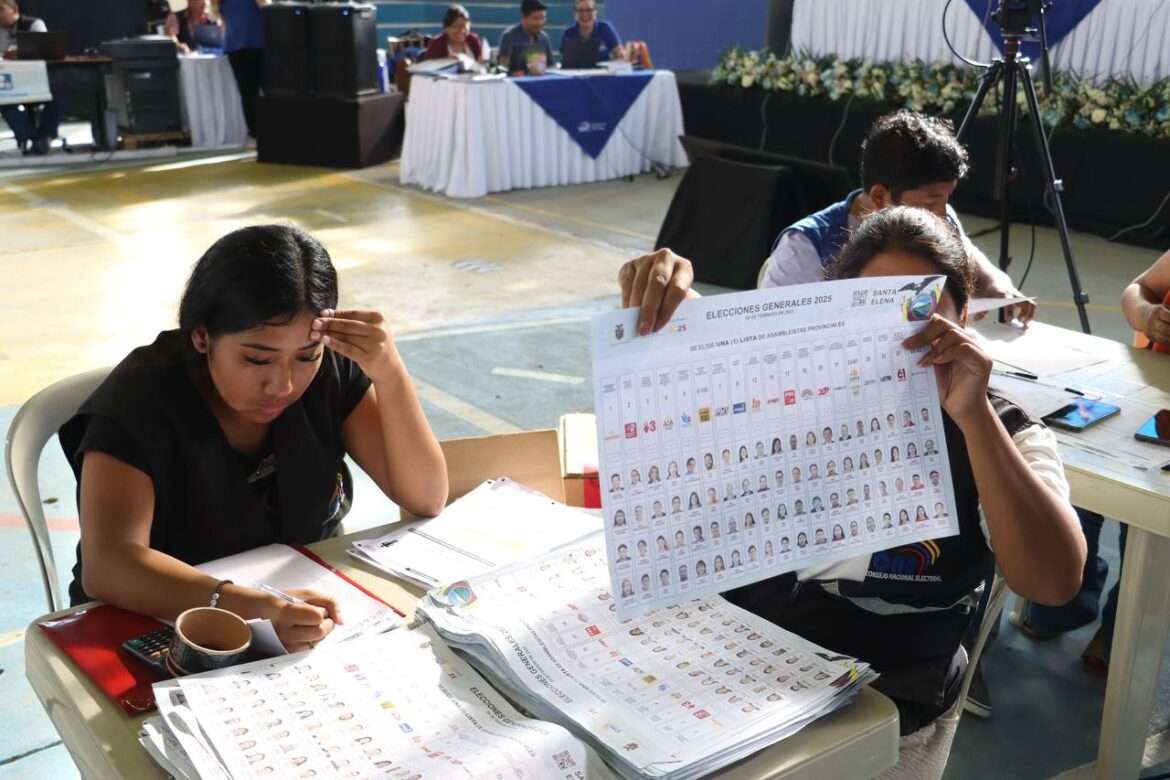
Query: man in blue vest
(907, 159)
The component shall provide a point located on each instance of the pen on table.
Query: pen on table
(280, 594)
(1036, 379)
(1020, 374)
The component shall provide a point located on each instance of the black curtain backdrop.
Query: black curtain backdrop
(1111, 180)
(89, 22)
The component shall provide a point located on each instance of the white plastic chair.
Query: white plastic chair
(995, 602)
(35, 423)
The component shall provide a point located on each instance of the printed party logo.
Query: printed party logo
(704, 414)
(739, 408)
(686, 420)
(919, 300)
(789, 397)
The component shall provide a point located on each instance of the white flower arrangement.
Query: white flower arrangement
(1117, 104)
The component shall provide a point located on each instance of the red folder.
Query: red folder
(92, 639)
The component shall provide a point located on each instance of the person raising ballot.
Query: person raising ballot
(1009, 484)
(525, 48)
(229, 433)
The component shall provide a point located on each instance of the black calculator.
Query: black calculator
(152, 648)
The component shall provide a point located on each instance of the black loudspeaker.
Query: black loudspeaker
(143, 87)
(350, 133)
(343, 41)
(89, 23)
(706, 223)
(286, 40)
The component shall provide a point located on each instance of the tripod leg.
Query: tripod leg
(1054, 187)
(1003, 164)
(986, 82)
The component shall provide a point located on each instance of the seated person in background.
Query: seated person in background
(229, 434)
(589, 41)
(1005, 468)
(457, 37)
(193, 27)
(906, 159)
(525, 47)
(1144, 303)
(29, 123)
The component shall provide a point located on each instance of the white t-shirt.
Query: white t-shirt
(796, 261)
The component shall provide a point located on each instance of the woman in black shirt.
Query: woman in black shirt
(229, 433)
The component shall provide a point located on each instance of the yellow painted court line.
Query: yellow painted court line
(12, 638)
(64, 212)
(468, 207)
(568, 218)
(470, 413)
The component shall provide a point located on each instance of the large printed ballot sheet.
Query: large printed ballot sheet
(765, 432)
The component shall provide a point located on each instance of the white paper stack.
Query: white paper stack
(283, 568)
(395, 705)
(679, 693)
(498, 523)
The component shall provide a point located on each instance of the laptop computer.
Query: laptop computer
(41, 45)
(580, 54)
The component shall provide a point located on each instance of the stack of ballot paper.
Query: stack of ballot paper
(679, 693)
(394, 705)
(498, 523)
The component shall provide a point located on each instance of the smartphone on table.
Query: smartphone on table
(1156, 430)
(1080, 413)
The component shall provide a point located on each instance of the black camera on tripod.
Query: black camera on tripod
(1017, 18)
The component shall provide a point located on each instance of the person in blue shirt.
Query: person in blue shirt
(244, 43)
(908, 159)
(525, 47)
(599, 40)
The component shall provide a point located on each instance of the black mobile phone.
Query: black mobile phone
(1156, 430)
(1080, 413)
(152, 648)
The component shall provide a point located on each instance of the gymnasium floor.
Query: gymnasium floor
(490, 301)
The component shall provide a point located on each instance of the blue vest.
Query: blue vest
(828, 229)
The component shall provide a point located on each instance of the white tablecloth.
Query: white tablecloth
(211, 101)
(1118, 38)
(466, 139)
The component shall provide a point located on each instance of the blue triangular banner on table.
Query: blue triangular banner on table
(589, 108)
(1062, 18)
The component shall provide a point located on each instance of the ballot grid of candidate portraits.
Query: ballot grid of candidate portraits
(724, 471)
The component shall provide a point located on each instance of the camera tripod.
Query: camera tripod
(1014, 72)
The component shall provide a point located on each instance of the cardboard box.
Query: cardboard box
(578, 440)
(530, 458)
